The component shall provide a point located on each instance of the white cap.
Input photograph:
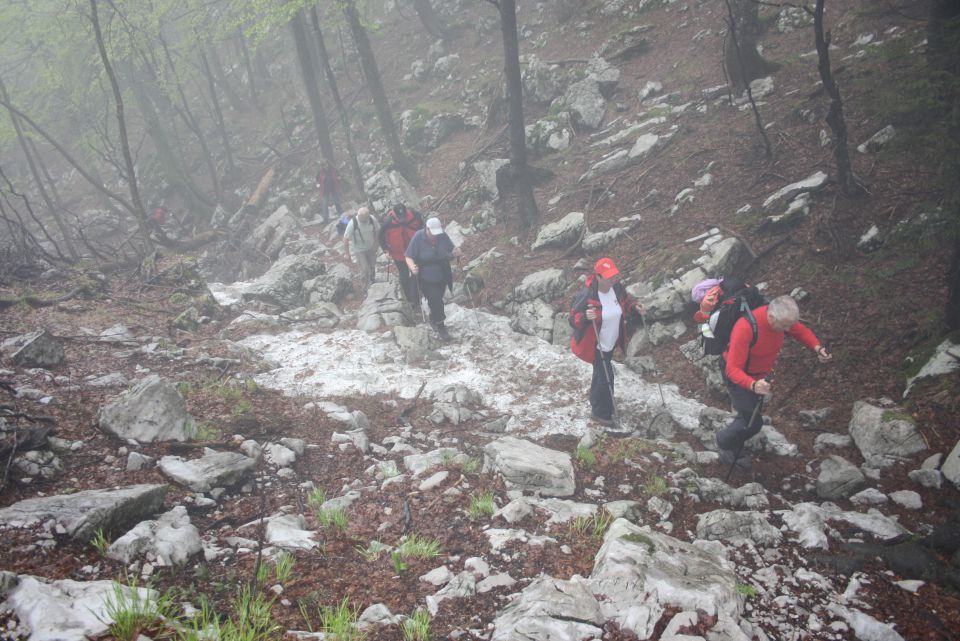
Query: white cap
(433, 224)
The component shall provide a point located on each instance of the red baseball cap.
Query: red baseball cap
(606, 268)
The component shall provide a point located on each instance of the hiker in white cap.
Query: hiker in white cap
(428, 257)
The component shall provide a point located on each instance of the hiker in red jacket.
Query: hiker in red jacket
(602, 310)
(399, 225)
(746, 367)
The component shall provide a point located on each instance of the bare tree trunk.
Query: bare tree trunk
(743, 62)
(335, 92)
(38, 179)
(308, 73)
(140, 214)
(235, 103)
(943, 52)
(522, 178)
(371, 73)
(217, 112)
(245, 54)
(849, 183)
(431, 21)
(738, 62)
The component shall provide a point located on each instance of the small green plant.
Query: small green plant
(417, 627)
(316, 499)
(227, 392)
(586, 456)
(389, 470)
(339, 622)
(335, 518)
(373, 550)
(636, 537)
(263, 573)
(471, 465)
(100, 542)
(656, 486)
(579, 525)
(282, 567)
(185, 388)
(447, 457)
(601, 523)
(481, 506)
(252, 619)
(242, 408)
(251, 385)
(398, 563)
(205, 432)
(130, 609)
(747, 590)
(416, 547)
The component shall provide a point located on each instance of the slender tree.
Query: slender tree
(371, 73)
(217, 111)
(741, 57)
(431, 21)
(308, 73)
(522, 178)
(337, 101)
(849, 183)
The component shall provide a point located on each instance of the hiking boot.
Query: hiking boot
(727, 458)
(603, 421)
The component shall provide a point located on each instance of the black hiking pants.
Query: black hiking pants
(601, 387)
(434, 294)
(406, 283)
(744, 402)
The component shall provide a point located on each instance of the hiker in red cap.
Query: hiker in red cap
(599, 319)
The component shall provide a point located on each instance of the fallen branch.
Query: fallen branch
(409, 408)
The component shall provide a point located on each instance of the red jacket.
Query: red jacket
(584, 339)
(397, 230)
(745, 365)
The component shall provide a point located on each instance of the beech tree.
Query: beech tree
(522, 179)
(742, 60)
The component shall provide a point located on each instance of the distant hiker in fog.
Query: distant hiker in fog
(602, 316)
(748, 361)
(328, 188)
(360, 242)
(428, 257)
(397, 229)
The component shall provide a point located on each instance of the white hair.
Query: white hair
(783, 310)
(362, 211)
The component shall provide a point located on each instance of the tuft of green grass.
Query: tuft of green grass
(471, 465)
(481, 506)
(417, 627)
(129, 610)
(586, 456)
(316, 499)
(373, 550)
(185, 388)
(579, 525)
(242, 407)
(252, 619)
(335, 518)
(339, 622)
(263, 573)
(282, 567)
(100, 542)
(204, 432)
(398, 564)
(601, 523)
(636, 537)
(747, 590)
(656, 486)
(420, 548)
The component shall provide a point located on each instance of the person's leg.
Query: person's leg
(601, 403)
(744, 402)
(434, 294)
(406, 284)
(370, 266)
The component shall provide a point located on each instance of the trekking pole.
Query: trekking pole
(643, 317)
(736, 457)
(606, 374)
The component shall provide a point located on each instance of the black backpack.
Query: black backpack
(737, 300)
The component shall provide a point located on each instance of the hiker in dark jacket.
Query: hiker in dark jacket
(428, 257)
(747, 362)
(396, 231)
(602, 310)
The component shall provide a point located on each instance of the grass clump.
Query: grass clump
(419, 548)
(130, 610)
(100, 542)
(636, 537)
(335, 518)
(417, 627)
(316, 499)
(471, 465)
(481, 506)
(747, 590)
(656, 486)
(282, 567)
(586, 456)
(339, 622)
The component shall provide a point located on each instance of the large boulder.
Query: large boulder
(945, 359)
(423, 131)
(36, 349)
(330, 286)
(486, 171)
(550, 609)
(546, 284)
(68, 610)
(721, 258)
(152, 410)
(737, 528)
(213, 469)
(838, 478)
(172, 539)
(814, 182)
(82, 513)
(662, 303)
(560, 234)
(384, 306)
(282, 285)
(387, 187)
(546, 135)
(534, 318)
(642, 574)
(529, 467)
(270, 236)
(541, 82)
(585, 103)
(884, 432)
(951, 466)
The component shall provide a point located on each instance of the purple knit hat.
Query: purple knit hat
(700, 289)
